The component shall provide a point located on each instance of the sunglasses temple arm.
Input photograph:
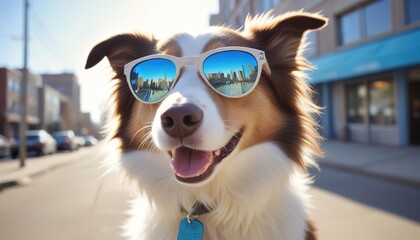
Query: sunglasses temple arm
(266, 67)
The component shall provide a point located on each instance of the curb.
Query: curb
(24, 178)
(369, 173)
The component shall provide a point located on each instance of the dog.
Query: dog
(216, 130)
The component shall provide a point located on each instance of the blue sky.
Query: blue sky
(226, 62)
(63, 31)
(156, 69)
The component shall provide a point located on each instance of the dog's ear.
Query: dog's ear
(120, 50)
(281, 40)
(280, 37)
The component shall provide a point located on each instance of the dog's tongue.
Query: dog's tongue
(188, 163)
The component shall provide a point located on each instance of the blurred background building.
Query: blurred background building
(10, 101)
(53, 104)
(68, 85)
(368, 61)
(50, 109)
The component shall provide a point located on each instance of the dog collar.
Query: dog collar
(190, 228)
(197, 210)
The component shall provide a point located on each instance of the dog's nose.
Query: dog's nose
(182, 120)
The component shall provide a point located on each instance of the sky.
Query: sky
(62, 32)
(155, 69)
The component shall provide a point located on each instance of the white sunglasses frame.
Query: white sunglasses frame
(198, 61)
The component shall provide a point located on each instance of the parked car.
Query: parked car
(80, 141)
(66, 140)
(4, 146)
(38, 141)
(90, 140)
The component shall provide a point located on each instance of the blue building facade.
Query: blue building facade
(372, 91)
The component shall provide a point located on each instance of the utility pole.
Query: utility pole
(23, 90)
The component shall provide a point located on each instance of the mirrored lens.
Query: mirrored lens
(232, 73)
(152, 79)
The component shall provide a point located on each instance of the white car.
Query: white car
(4, 146)
(38, 141)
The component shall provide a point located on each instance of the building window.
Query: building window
(365, 21)
(381, 102)
(10, 84)
(350, 27)
(356, 102)
(10, 105)
(230, 5)
(378, 18)
(412, 9)
(17, 87)
(373, 99)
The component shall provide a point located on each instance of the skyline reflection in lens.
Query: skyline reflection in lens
(232, 73)
(152, 79)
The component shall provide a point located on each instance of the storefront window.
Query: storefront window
(381, 102)
(356, 102)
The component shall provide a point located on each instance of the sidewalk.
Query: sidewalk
(11, 174)
(392, 163)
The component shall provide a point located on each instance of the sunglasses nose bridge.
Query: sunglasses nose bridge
(188, 61)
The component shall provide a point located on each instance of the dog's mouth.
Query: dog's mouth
(193, 166)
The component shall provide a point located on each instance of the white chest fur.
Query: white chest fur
(262, 197)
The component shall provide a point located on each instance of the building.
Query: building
(66, 113)
(50, 109)
(10, 87)
(234, 12)
(368, 61)
(68, 85)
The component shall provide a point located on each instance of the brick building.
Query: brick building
(10, 87)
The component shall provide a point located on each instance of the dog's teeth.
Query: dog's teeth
(217, 153)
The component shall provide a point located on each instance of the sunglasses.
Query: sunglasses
(232, 72)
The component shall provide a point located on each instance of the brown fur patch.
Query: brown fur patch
(170, 47)
(281, 38)
(311, 231)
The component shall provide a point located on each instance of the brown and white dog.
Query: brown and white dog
(261, 144)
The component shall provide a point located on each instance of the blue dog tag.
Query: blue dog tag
(190, 231)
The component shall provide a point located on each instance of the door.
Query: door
(414, 99)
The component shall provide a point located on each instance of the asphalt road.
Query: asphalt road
(349, 206)
(76, 201)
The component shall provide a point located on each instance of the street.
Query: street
(75, 201)
(69, 202)
(352, 206)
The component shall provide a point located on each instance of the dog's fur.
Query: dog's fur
(259, 190)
